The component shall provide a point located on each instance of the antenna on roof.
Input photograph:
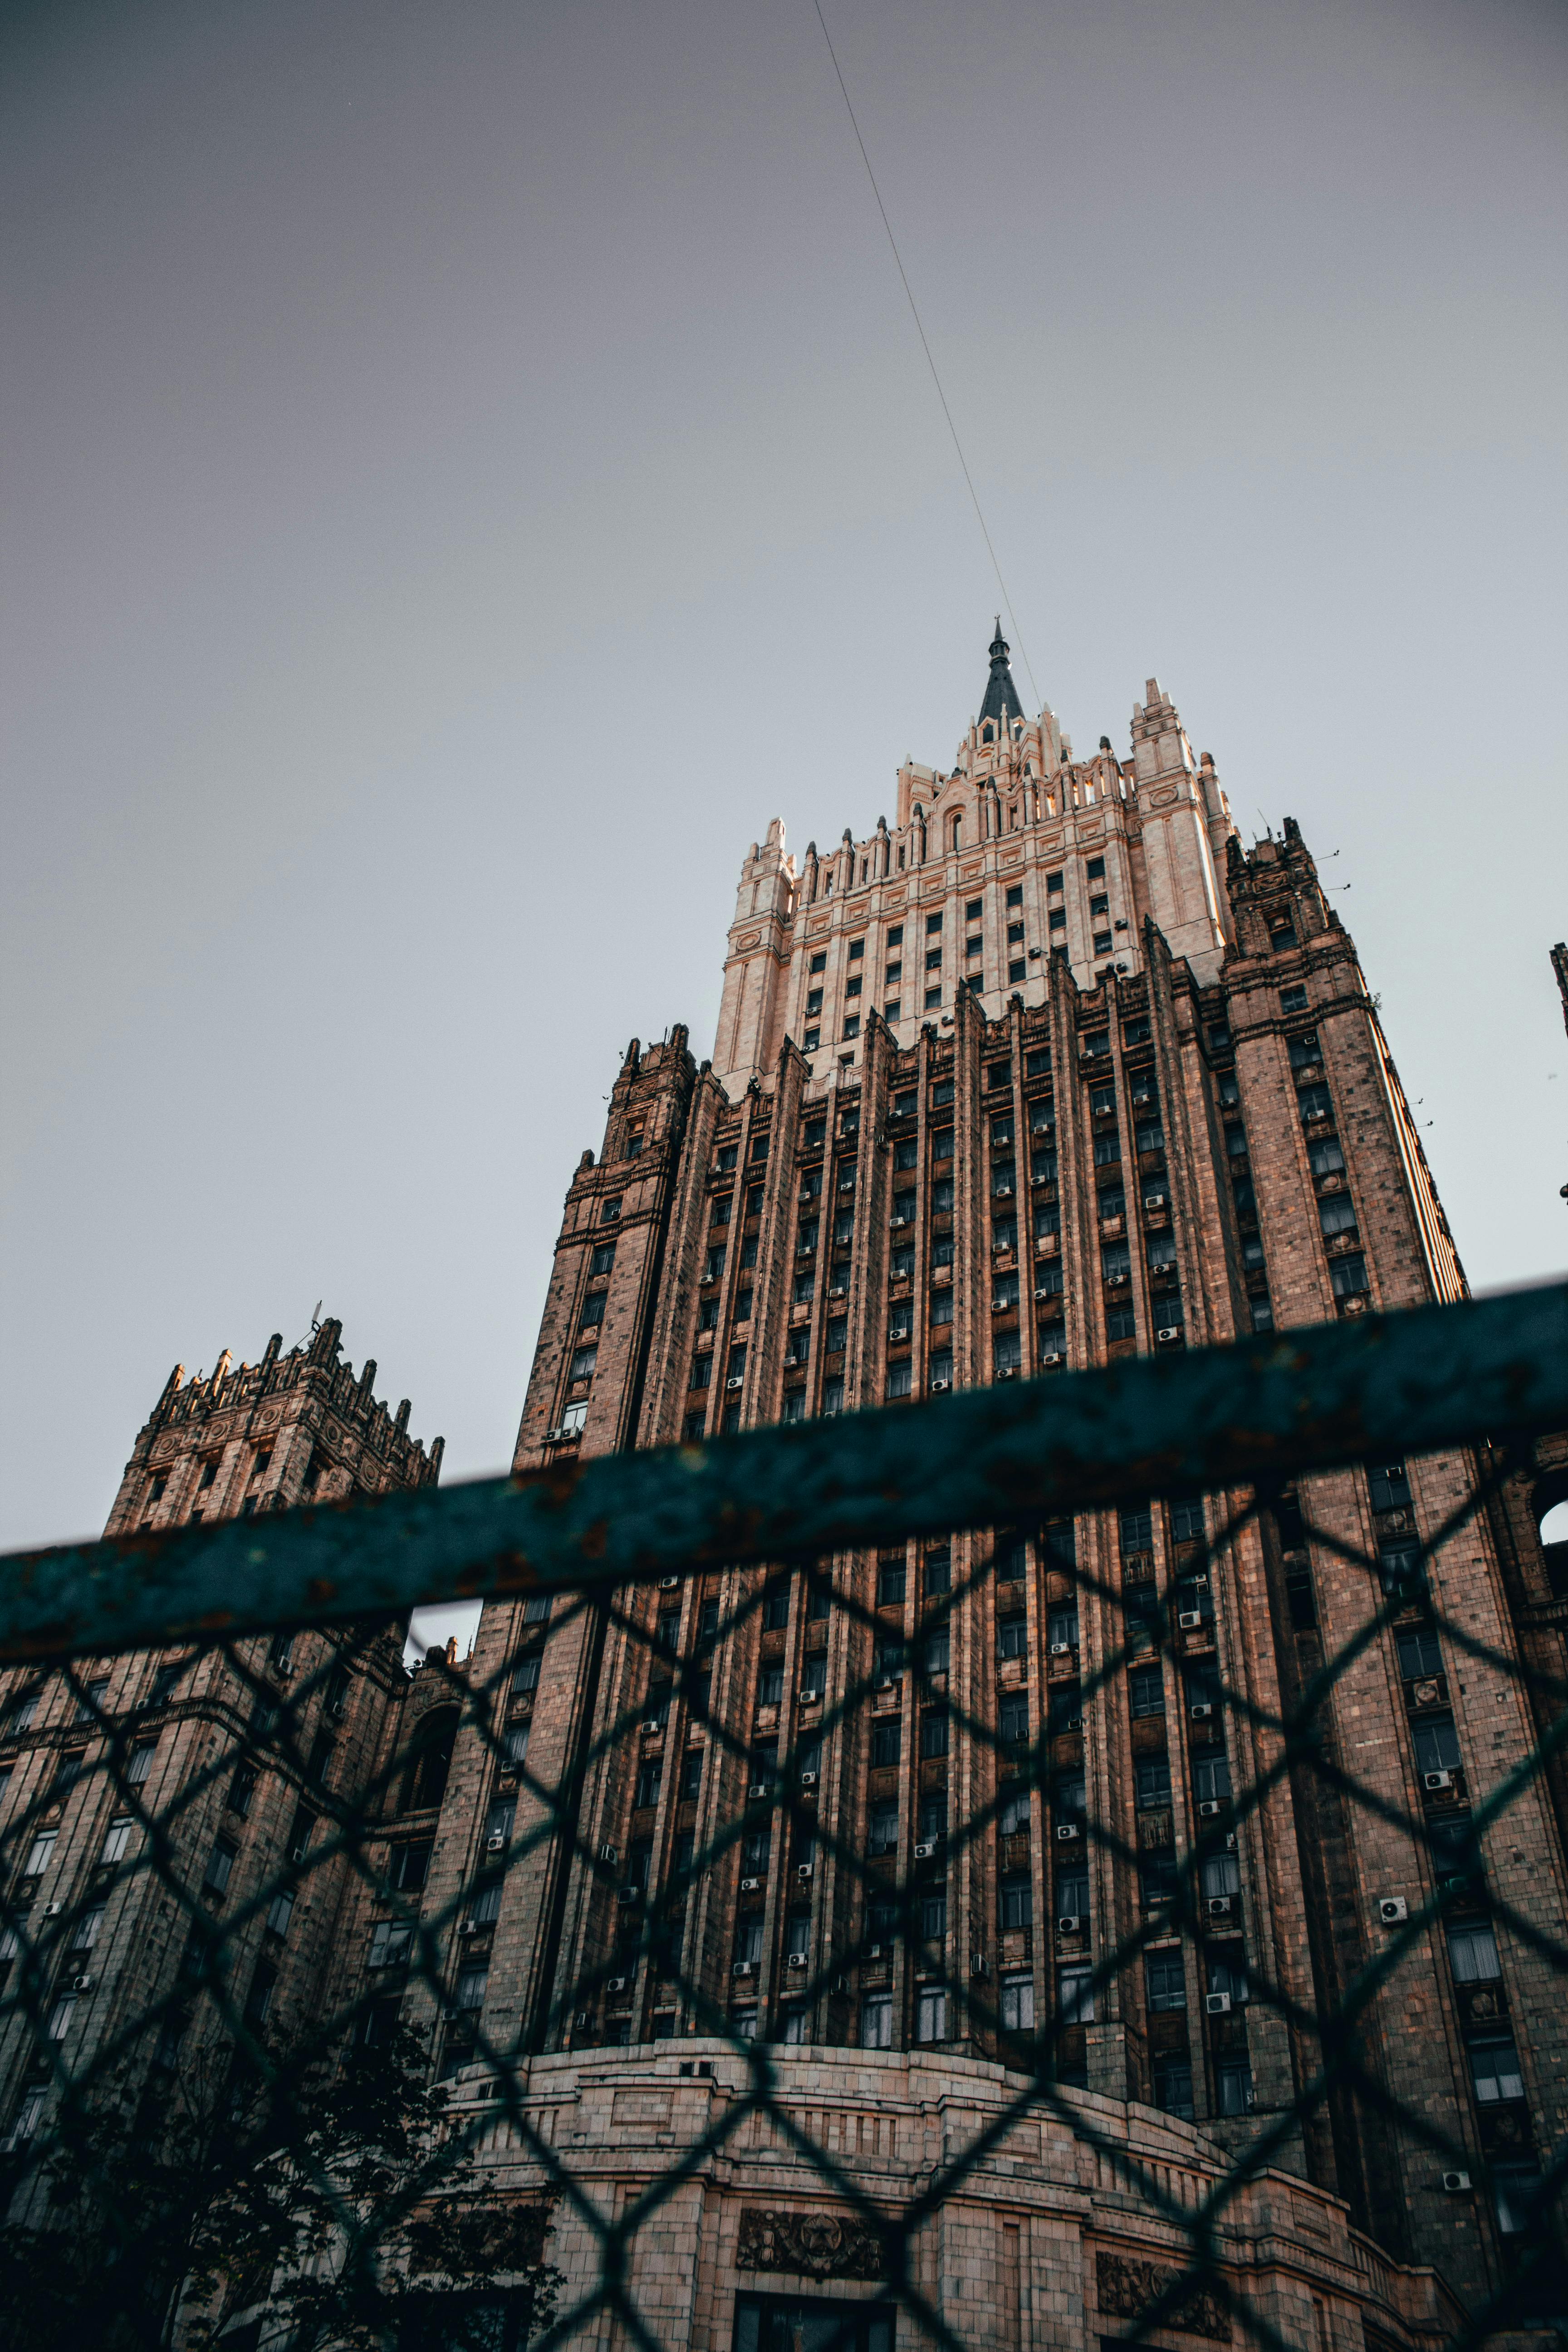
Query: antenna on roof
(316, 1316)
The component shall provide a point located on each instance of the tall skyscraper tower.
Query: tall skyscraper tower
(146, 1797)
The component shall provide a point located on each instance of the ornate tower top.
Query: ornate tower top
(1003, 699)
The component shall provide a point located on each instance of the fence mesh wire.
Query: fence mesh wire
(210, 2125)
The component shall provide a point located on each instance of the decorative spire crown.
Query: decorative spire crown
(1002, 700)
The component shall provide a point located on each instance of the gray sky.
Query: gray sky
(467, 467)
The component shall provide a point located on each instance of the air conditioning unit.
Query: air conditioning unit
(631, 1894)
(1154, 1200)
(1208, 1807)
(887, 1682)
(735, 1380)
(797, 1960)
(758, 1789)
(470, 1927)
(1200, 1710)
(873, 1951)
(1061, 1648)
(839, 1290)
(1217, 2004)
(1066, 1832)
(1055, 1357)
(81, 1984)
(1002, 1192)
(1168, 1334)
(1072, 1723)
(1190, 1619)
(1392, 1909)
(1219, 1906)
(651, 1723)
(1069, 1923)
(668, 1583)
(1045, 1294)
(751, 1885)
(53, 1910)
(806, 1249)
(924, 1851)
(1455, 2183)
(808, 1779)
(1357, 1305)
(978, 1966)
(804, 1870)
(1437, 1780)
(1009, 1372)
(608, 1854)
(496, 1843)
(937, 1387)
(617, 1984)
(745, 1969)
(1001, 1305)
(897, 1225)
(1038, 1179)
(809, 1698)
(1231, 1841)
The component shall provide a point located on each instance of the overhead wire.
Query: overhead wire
(931, 362)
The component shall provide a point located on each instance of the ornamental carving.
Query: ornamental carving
(1127, 2289)
(813, 2245)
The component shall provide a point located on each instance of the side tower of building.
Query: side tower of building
(146, 1796)
(1053, 1072)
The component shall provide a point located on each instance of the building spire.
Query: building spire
(1003, 701)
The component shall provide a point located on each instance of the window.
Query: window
(583, 1363)
(1211, 1777)
(1013, 1719)
(1292, 1000)
(1315, 1102)
(242, 1788)
(939, 1570)
(930, 2014)
(1420, 1653)
(280, 1912)
(1017, 1902)
(1061, 1625)
(140, 1763)
(1012, 1637)
(1075, 1995)
(1495, 2069)
(1166, 1977)
(1136, 1529)
(1389, 1488)
(220, 1865)
(1336, 1215)
(603, 1258)
(934, 1732)
(1154, 1773)
(1324, 1157)
(883, 1828)
(408, 1867)
(889, 1582)
(875, 2031)
(41, 1850)
(1220, 1875)
(1437, 1745)
(1233, 2078)
(1014, 1818)
(593, 1310)
(1173, 2087)
(650, 1773)
(1146, 1690)
(60, 2016)
(1009, 1351)
(610, 1210)
(941, 1367)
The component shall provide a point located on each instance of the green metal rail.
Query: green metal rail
(1200, 1419)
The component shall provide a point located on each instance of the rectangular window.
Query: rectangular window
(603, 1258)
(583, 1363)
(1166, 1977)
(876, 2034)
(933, 1732)
(930, 2014)
(1017, 1902)
(1495, 2069)
(1012, 1637)
(220, 1865)
(883, 1828)
(939, 1570)
(41, 1852)
(1075, 1997)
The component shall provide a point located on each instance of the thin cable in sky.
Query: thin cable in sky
(914, 312)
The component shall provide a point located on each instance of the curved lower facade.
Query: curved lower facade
(1022, 2228)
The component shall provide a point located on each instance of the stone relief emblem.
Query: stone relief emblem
(813, 2245)
(1127, 2288)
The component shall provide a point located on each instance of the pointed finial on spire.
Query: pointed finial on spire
(1003, 699)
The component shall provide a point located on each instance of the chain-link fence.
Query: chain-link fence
(793, 1872)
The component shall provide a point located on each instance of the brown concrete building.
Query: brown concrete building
(1053, 1071)
(150, 1798)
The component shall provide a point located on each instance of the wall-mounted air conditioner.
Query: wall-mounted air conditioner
(1217, 2004)
(1068, 1831)
(1068, 1922)
(746, 1968)
(1392, 1909)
